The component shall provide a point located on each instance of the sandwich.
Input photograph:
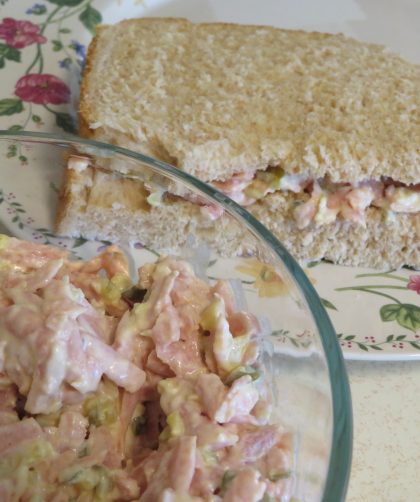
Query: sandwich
(317, 135)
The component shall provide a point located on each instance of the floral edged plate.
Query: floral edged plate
(42, 51)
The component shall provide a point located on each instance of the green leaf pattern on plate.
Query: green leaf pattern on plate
(406, 315)
(10, 106)
(90, 17)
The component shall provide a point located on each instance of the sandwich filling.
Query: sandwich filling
(318, 202)
(327, 201)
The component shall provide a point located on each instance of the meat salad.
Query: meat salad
(118, 391)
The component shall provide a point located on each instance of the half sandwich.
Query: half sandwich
(317, 135)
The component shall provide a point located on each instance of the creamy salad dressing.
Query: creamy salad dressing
(327, 201)
(114, 392)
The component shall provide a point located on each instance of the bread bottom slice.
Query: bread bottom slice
(102, 206)
(98, 205)
(382, 244)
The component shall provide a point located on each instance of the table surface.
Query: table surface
(386, 444)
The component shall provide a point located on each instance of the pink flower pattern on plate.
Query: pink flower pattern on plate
(414, 283)
(19, 34)
(42, 89)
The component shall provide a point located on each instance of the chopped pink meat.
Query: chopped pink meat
(236, 183)
(246, 486)
(84, 374)
(148, 391)
(305, 212)
(143, 316)
(234, 187)
(127, 488)
(12, 436)
(160, 297)
(190, 295)
(212, 211)
(225, 405)
(103, 448)
(23, 324)
(254, 442)
(51, 472)
(403, 200)
(183, 357)
(212, 392)
(7, 490)
(251, 354)
(361, 198)
(154, 488)
(243, 323)
(112, 261)
(276, 460)
(224, 290)
(65, 331)
(276, 465)
(338, 197)
(206, 481)
(8, 417)
(130, 344)
(71, 431)
(175, 470)
(31, 281)
(8, 396)
(115, 367)
(166, 329)
(157, 366)
(211, 435)
(182, 464)
(85, 275)
(27, 256)
(195, 422)
(353, 215)
(145, 274)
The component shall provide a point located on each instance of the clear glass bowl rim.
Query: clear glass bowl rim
(342, 437)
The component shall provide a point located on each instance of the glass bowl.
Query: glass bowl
(301, 357)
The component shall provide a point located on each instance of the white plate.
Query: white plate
(376, 315)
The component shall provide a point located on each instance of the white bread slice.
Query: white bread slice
(99, 205)
(215, 99)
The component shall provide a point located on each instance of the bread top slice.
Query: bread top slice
(217, 99)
